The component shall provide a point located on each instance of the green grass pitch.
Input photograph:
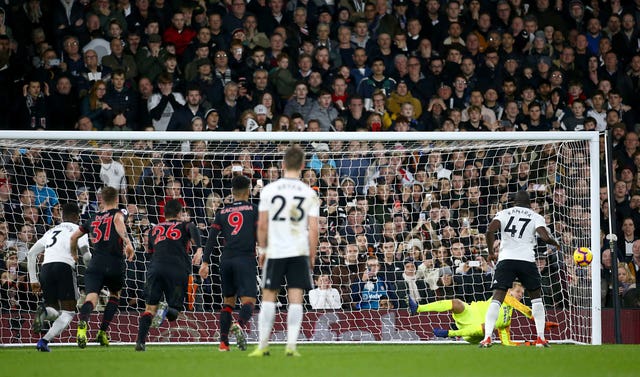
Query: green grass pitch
(351, 360)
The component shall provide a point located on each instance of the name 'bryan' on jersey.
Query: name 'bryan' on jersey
(289, 203)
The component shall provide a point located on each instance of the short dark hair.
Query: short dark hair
(119, 72)
(165, 78)
(521, 199)
(70, 212)
(240, 183)
(172, 209)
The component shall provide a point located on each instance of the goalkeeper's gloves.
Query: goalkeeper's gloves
(549, 325)
(441, 333)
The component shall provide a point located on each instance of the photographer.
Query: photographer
(51, 69)
(336, 216)
(472, 277)
(370, 292)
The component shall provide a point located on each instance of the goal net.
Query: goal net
(402, 215)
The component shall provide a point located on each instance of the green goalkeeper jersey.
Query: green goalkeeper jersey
(470, 321)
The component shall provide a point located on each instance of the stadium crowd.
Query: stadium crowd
(392, 222)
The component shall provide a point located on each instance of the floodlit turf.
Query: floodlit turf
(326, 361)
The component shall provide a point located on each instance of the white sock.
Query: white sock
(491, 317)
(265, 322)
(537, 309)
(59, 325)
(52, 313)
(294, 322)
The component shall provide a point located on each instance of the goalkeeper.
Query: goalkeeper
(470, 317)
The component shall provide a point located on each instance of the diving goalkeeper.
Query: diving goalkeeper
(470, 317)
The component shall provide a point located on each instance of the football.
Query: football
(582, 256)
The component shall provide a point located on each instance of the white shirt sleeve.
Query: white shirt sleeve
(32, 257)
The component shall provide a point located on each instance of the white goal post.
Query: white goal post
(417, 202)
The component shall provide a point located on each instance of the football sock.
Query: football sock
(225, 323)
(491, 317)
(437, 306)
(246, 310)
(85, 311)
(265, 322)
(59, 325)
(109, 312)
(52, 313)
(537, 309)
(144, 322)
(294, 322)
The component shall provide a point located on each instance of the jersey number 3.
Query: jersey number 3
(513, 227)
(294, 216)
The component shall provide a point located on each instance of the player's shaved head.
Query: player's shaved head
(521, 199)
(70, 212)
(172, 209)
(294, 158)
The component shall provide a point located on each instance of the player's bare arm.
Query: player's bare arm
(546, 237)
(208, 250)
(197, 257)
(313, 240)
(73, 241)
(32, 260)
(490, 236)
(263, 231)
(121, 228)
(197, 241)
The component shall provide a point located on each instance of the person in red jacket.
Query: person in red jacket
(178, 33)
(172, 191)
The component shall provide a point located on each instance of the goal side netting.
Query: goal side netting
(402, 215)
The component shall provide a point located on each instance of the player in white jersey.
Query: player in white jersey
(288, 238)
(57, 275)
(518, 227)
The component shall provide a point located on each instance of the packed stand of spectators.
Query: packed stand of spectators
(393, 222)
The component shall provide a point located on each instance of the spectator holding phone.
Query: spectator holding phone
(370, 290)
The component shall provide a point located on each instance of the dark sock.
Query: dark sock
(85, 311)
(225, 323)
(172, 314)
(246, 310)
(144, 322)
(109, 312)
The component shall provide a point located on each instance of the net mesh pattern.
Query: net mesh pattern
(417, 209)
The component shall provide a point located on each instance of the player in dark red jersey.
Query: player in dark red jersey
(108, 235)
(170, 267)
(236, 224)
